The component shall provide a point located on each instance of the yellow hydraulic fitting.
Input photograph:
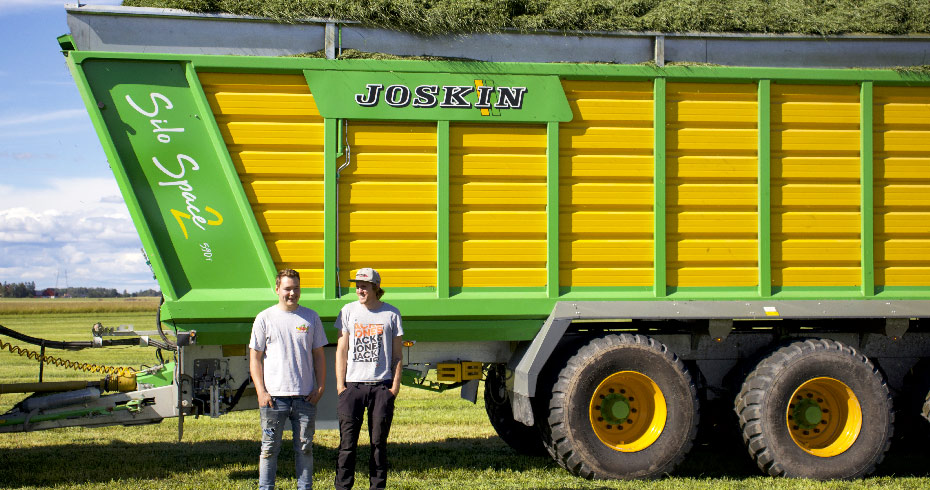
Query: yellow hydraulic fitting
(121, 384)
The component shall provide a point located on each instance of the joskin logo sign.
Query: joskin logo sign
(439, 96)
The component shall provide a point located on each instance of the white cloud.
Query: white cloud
(22, 119)
(78, 227)
(88, 194)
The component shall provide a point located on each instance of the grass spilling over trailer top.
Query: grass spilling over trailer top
(438, 441)
(459, 16)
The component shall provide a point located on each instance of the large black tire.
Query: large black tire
(912, 430)
(593, 402)
(523, 439)
(798, 419)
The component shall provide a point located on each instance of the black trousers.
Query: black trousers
(351, 409)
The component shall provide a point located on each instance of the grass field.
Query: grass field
(437, 442)
(43, 306)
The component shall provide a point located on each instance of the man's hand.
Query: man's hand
(395, 390)
(315, 396)
(340, 389)
(264, 399)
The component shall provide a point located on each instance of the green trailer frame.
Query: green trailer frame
(222, 315)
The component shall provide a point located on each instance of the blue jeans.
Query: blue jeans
(302, 415)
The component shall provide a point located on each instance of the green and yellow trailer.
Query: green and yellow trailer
(609, 247)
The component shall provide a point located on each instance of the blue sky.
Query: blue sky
(60, 209)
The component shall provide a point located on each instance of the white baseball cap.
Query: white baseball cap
(369, 275)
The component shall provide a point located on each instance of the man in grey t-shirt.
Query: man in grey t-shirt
(369, 361)
(288, 370)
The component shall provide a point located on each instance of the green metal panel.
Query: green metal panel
(403, 96)
(866, 185)
(765, 188)
(552, 209)
(122, 180)
(330, 248)
(580, 71)
(221, 302)
(442, 209)
(229, 171)
(169, 165)
(659, 191)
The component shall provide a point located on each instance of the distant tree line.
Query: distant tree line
(28, 290)
(18, 289)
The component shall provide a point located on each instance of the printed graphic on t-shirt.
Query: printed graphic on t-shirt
(302, 328)
(367, 342)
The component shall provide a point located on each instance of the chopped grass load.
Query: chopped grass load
(431, 17)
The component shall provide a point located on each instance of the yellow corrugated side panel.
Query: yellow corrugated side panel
(274, 134)
(387, 203)
(815, 185)
(712, 185)
(605, 185)
(497, 201)
(902, 186)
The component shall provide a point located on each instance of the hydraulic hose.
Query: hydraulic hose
(65, 345)
(169, 345)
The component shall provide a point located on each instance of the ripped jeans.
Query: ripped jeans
(302, 415)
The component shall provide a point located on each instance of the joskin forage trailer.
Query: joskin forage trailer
(608, 246)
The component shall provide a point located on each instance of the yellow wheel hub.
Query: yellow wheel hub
(628, 411)
(824, 417)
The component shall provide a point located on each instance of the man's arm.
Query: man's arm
(257, 369)
(397, 362)
(342, 361)
(319, 370)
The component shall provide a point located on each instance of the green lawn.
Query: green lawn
(437, 441)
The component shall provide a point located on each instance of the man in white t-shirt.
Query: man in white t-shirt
(288, 370)
(369, 361)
